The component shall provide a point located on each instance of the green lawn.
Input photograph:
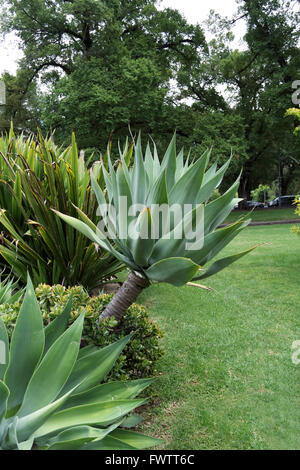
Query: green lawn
(262, 215)
(227, 380)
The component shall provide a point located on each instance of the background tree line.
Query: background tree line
(97, 66)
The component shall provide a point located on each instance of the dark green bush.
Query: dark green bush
(140, 355)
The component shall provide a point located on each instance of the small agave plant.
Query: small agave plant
(50, 391)
(7, 291)
(168, 255)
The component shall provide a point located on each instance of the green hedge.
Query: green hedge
(140, 355)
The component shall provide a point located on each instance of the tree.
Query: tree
(108, 63)
(21, 101)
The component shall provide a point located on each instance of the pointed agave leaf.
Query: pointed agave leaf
(187, 187)
(159, 193)
(174, 243)
(139, 180)
(142, 246)
(107, 443)
(124, 192)
(101, 414)
(169, 163)
(54, 369)
(211, 184)
(175, 271)
(29, 424)
(4, 394)
(135, 439)
(91, 369)
(216, 241)
(56, 328)
(26, 348)
(217, 210)
(149, 163)
(179, 165)
(210, 172)
(74, 438)
(109, 391)
(4, 349)
(220, 264)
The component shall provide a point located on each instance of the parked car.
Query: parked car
(282, 200)
(273, 202)
(252, 204)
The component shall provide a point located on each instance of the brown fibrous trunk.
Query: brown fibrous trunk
(125, 296)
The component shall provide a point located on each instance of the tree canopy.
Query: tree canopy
(99, 66)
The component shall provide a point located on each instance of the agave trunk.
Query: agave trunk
(126, 295)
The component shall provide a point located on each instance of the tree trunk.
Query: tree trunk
(126, 295)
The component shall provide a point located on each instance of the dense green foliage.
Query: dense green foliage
(51, 396)
(36, 176)
(141, 353)
(108, 64)
(262, 193)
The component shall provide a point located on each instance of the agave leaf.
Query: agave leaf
(86, 350)
(29, 424)
(142, 246)
(56, 327)
(107, 443)
(158, 193)
(26, 348)
(149, 163)
(210, 172)
(4, 349)
(220, 264)
(101, 414)
(217, 210)
(109, 391)
(173, 243)
(216, 241)
(74, 438)
(176, 271)
(187, 187)
(208, 187)
(92, 368)
(169, 163)
(54, 369)
(139, 179)
(135, 439)
(4, 394)
(131, 421)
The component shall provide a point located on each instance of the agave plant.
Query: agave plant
(36, 175)
(50, 391)
(164, 257)
(7, 291)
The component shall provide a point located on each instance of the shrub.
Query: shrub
(51, 396)
(139, 356)
(262, 193)
(295, 229)
(36, 176)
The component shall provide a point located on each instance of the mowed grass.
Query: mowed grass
(265, 215)
(227, 380)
